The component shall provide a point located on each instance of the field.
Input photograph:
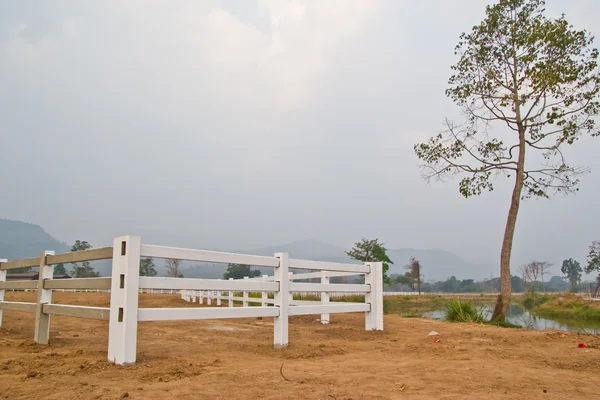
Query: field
(234, 359)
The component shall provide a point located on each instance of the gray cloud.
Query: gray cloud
(237, 124)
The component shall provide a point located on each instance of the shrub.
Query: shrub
(528, 303)
(464, 311)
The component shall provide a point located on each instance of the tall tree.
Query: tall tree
(414, 271)
(85, 270)
(371, 250)
(572, 270)
(173, 268)
(239, 271)
(147, 267)
(526, 83)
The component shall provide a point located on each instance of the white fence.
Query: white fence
(125, 284)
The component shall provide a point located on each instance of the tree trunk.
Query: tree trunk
(503, 300)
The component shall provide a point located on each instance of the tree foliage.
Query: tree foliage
(147, 267)
(59, 269)
(85, 270)
(368, 250)
(572, 270)
(593, 258)
(239, 271)
(173, 268)
(414, 271)
(526, 83)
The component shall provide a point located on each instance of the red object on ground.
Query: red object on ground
(582, 346)
(436, 340)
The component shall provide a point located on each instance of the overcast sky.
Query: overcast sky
(244, 123)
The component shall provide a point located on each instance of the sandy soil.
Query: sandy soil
(234, 359)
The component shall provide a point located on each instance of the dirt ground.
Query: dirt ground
(234, 359)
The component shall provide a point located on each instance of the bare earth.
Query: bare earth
(234, 359)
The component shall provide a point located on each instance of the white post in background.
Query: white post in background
(219, 298)
(324, 297)
(245, 296)
(264, 295)
(2, 279)
(122, 330)
(374, 317)
(208, 298)
(230, 297)
(44, 296)
(282, 300)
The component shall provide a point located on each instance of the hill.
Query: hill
(437, 264)
(23, 240)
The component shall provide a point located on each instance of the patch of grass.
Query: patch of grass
(464, 311)
(569, 307)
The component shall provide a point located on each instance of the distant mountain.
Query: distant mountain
(23, 240)
(437, 264)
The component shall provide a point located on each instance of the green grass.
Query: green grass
(569, 307)
(464, 311)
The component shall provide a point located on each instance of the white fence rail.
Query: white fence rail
(125, 284)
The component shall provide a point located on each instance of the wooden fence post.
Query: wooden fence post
(374, 317)
(282, 300)
(44, 296)
(230, 298)
(264, 295)
(2, 279)
(122, 331)
(324, 297)
(245, 295)
(219, 293)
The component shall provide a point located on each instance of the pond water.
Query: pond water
(519, 316)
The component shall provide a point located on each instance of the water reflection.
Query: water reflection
(519, 316)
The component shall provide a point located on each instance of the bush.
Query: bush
(464, 311)
(528, 303)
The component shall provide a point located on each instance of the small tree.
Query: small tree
(371, 250)
(414, 271)
(173, 268)
(526, 83)
(572, 270)
(593, 264)
(239, 271)
(147, 267)
(529, 273)
(593, 258)
(59, 269)
(84, 270)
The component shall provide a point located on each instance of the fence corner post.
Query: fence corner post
(374, 317)
(282, 300)
(122, 330)
(44, 296)
(2, 279)
(324, 296)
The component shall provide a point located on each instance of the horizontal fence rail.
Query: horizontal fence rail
(19, 285)
(328, 266)
(17, 306)
(207, 256)
(78, 283)
(101, 313)
(206, 284)
(275, 293)
(102, 253)
(174, 314)
(16, 264)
